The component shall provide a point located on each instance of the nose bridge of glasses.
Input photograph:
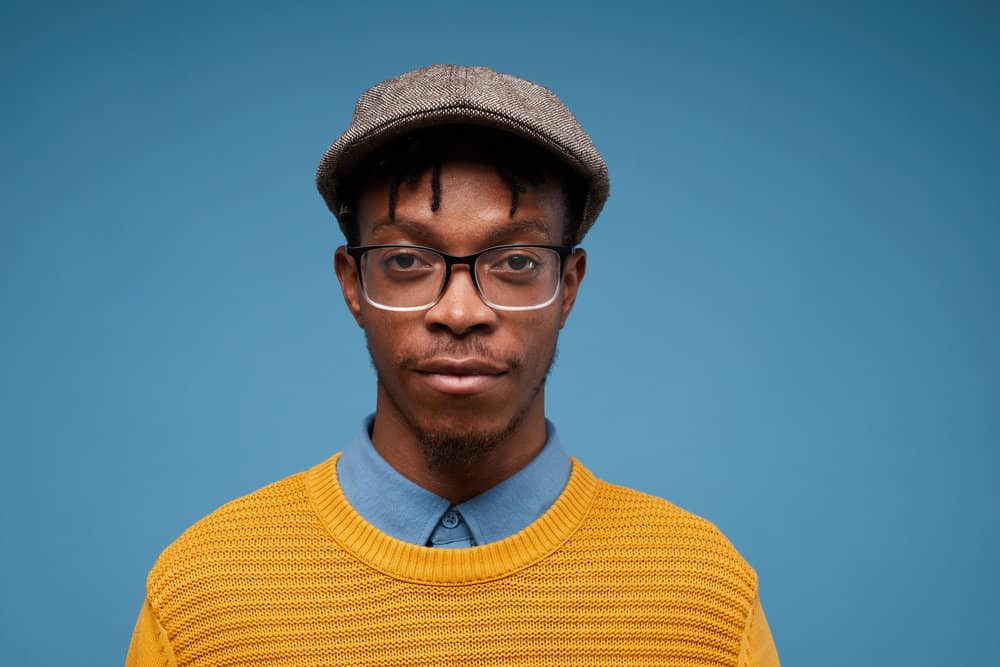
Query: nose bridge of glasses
(467, 264)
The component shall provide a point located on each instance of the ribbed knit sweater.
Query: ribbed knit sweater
(292, 575)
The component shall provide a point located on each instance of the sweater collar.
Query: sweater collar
(420, 564)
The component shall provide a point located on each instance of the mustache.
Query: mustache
(472, 348)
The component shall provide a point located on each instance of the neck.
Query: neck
(398, 442)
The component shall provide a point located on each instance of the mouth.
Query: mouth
(460, 376)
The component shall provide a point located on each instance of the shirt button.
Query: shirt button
(450, 519)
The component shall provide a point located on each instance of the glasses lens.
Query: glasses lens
(518, 277)
(402, 277)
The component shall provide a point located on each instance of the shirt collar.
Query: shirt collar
(408, 512)
(519, 500)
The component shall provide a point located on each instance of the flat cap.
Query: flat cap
(452, 94)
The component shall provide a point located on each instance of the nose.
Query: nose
(460, 309)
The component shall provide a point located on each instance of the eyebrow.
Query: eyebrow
(424, 234)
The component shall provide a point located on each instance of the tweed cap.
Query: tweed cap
(452, 94)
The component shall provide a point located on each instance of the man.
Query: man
(455, 529)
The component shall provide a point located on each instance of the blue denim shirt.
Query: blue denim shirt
(408, 512)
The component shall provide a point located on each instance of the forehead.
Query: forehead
(462, 200)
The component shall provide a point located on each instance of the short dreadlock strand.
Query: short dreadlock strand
(393, 192)
(436, 185)
(513, 179)
(408, 172)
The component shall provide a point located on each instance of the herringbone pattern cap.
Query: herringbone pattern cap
(452, 94)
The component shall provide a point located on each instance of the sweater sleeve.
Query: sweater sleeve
(758, 648)
(150, 646)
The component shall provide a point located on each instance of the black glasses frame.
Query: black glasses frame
(357, 252)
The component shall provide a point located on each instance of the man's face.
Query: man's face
(460, 371)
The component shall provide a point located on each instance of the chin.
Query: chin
(457, 443)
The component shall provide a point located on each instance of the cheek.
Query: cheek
(387, 339)
(536, 339)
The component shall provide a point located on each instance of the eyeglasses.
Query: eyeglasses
(507, 277)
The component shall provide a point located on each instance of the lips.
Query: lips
(460, 376)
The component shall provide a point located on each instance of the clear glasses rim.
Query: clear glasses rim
(357, 252)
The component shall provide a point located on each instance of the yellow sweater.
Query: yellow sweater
(292, 575)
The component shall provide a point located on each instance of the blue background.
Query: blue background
(789, 324)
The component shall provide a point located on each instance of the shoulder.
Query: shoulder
(625, 502)
(273, 517)
(659, 529)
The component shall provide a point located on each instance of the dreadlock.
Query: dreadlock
(405, 160)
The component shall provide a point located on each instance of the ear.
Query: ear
(347, 274)
(576, 267)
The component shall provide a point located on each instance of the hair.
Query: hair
(520, 163)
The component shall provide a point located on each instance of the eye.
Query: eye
(514, 266)
(519, 263)
(403, 260)
(518, 260)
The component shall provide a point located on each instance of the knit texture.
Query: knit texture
(292, 575)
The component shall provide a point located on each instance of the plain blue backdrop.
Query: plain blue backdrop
(789, 324)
